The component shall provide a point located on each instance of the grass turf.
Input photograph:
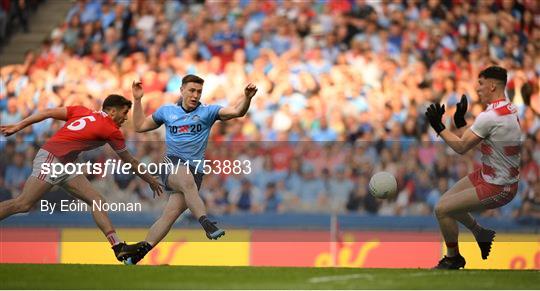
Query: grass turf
(22, 276)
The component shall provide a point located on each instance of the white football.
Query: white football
(383, 185)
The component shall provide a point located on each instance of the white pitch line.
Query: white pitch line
(324, 279)
(441, 272)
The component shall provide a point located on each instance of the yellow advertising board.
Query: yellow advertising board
(181, 247)
(190, 247)
(509, 251)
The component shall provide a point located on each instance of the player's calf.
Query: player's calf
(13, 206)
(21, 206)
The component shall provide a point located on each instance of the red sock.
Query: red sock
(452, 249)
(113, 238)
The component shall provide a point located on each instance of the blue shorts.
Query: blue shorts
(174, 161)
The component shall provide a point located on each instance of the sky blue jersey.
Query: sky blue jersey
(187, 133)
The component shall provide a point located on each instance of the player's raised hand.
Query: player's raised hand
(434, 115)
(10, 129)
(440, 109)
(461, 110)
(250, 90)
(137, 90)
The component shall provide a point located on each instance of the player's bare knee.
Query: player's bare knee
(184, 188)
(191, 192)
(440, 210)
(174, 185)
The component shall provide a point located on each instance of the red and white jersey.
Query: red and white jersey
(499, 128)
(84, 130)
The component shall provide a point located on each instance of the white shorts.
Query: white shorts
(44, 157)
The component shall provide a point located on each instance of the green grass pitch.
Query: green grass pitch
(18, 276)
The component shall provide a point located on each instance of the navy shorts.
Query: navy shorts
(174, 161)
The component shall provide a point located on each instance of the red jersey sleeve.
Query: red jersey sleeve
(117, 141)
(76, 111)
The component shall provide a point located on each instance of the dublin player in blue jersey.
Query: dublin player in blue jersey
(188, 125)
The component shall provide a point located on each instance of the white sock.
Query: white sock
(113, 238)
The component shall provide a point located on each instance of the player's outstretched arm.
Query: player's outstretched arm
(461, 145)
(151, 180)
(140, 122)
(241, 107)
(56, 113)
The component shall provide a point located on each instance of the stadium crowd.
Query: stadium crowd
(15, 16)
(343, 86)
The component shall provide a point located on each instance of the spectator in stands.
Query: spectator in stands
(4, 17)
(215, 196)
(6, 158)
(360, 200)
(246, 198)
(339, 189)
(272, 199)
(435, 194)
(11, 115)
(21, 11)
(311, 191)
(5, 193)
(17, 173)
(530, 211)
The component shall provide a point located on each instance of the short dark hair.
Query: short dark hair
(192, 78)
(115, 101)
(494, 72)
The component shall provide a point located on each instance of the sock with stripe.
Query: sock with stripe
(113, 238)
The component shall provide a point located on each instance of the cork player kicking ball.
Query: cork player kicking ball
(498, 132)
(84, 130)
(188, 125)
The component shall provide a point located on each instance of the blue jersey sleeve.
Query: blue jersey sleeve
(213, 112)
(159, 116)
